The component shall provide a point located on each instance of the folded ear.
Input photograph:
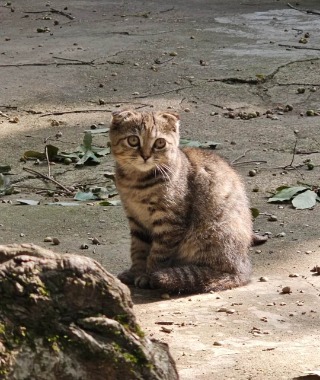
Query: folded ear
(122, 115)
(173, 119)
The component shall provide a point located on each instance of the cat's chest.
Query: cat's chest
(141, 207)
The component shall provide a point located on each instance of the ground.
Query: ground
(63, 70)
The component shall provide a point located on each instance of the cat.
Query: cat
(189, 217)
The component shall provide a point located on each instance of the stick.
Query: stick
(4, 115)
(238, 158)
(293, 154)
(48, 161)
(162, 93)
(297, 47)
(52, 10)
(303, 10)
(68, 112)
(250, 162)
(48, 178)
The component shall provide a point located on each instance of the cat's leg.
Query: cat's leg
(140, 249)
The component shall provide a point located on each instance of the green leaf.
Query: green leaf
(34, 155)
(87, 140)
(307, 199)
(5, 168)
(88, 157)
(85, 196)
(52, 152)
(29, 202)
(100, 151)
(255, 212)
(286, 194)
(110, 203)
(5, 186)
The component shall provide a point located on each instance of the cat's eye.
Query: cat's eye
(133, 141)
(159, 143)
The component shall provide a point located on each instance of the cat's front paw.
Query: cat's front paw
(127, 277)
(142, 281)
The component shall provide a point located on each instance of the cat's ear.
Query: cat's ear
(173, 119)
(122, 115)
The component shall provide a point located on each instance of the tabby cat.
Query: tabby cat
(188, 212)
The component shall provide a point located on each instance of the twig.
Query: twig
(48, 161)
(293, 154)
(307, 152)
(162, 93)
(49, 179)
(250, 162)
(297, 47)
(74, 60)
(239, 158)
(303, 10)
(68, 112)
(52, 10)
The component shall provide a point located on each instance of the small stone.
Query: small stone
(281, 234)
(84, 246)
(226, 310)
(67, 161)
(22, 234)
(308, 252)
(114, 74)
(136, 93)
(293, 275)
(192, 37)
(101, 85)
(187, 110)
(274, 118)
(272, 218)
(213, 113)
(173, 54)
(136, 64)
(55, 22)
(217, 343)
(310, 113)
(301, 90)
(286, 290)
(313, 89)
(258, 251)
(252, 173)
(48, 239)
(263, 279)
(271, 304)
(95, 241)
(165, 296)
(55, 241)
(282, 304)
(102, 102)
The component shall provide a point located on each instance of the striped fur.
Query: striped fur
(187, 209)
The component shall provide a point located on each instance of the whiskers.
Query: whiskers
(165, 170)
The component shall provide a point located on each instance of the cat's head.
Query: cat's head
(144, 140)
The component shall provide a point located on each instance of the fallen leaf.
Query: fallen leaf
(307, 199)
(29, 202)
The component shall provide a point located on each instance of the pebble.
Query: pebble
(217, 343)
(48, 239)
(55, 241)
(136, 93)
(226, 310)
(22, 234)
(95, 241)
(308, 252)
(286, 290)
(252, 173)
(187, 110)
(293, 275)
(258, 251)
(263, 279)
(173, 54)
(272, 218)
(282, 304)
(84, 246)
(281, 234)
(165, 296)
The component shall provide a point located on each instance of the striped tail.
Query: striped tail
(195, 279)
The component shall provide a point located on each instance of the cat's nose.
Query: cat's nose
(145, 156)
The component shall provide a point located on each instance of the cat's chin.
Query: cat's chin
(145, 168)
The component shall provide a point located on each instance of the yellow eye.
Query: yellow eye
(159, 143)
(133, 141)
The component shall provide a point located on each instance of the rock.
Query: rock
(64, 316)
(286, 290)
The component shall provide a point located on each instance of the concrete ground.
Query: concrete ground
(62, 70)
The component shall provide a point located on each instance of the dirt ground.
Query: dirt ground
(64, 66)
